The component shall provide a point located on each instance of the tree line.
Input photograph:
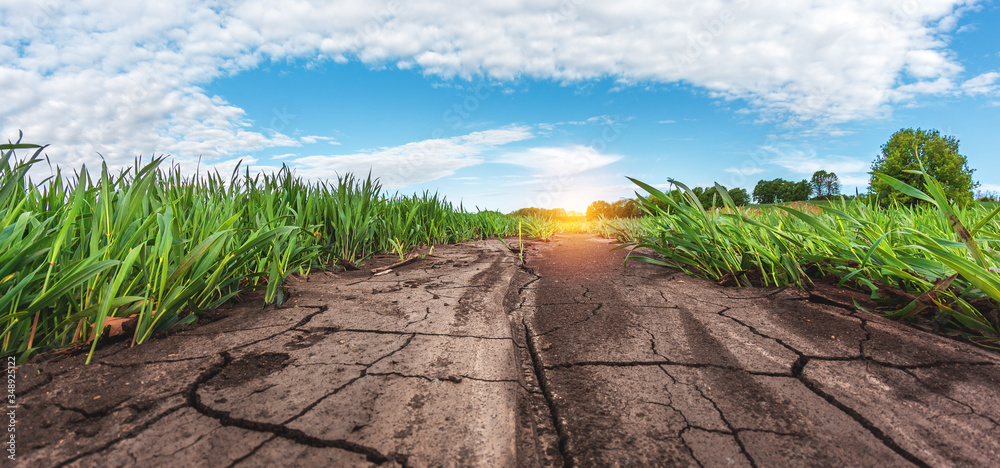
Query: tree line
(824, 184)
(907, 151)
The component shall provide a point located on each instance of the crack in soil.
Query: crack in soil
(139, 429)
(799, 366)
(736, 435)
(658, 307)
(652, 343)
(860, 358)
(135, 431)
(765, 296)
(664, 362)
(297, 327)
(430, 287)
(557, 421)
(46, 379)
(231, 330)
(332, 330)
(687, 427)
(820, 299)
(868, 334)
(426, 314)
(868, 425)
(593, 314)
(138, 408)
(89, 414)
(281, 430)
(146, 363)
(930, 388)
(360, 376)
(252, 452)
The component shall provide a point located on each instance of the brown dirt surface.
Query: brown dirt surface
(466, 358)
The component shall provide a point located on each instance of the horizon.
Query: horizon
(504, 107)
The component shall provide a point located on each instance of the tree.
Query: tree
(599, 209)
(795, 191)
(623, 208)
(817, 182)
(825, 184)
(555, 213)
(766, 192)
(740, 196)
(627, 208)
(705, 196)
(781, 190)
(709, 197)
(906, 149)
(832, 184)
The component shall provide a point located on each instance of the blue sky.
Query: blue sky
(502, 105)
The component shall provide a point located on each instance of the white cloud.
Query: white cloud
(559, 161)
(597, 120)
(806, 162)
(415, 162)
(985, 83)
(990, 188)
(967, 28)
(854, 180)
(930, 64)
(744, 171)
(667, 121)
(126, 77)
(310, 139)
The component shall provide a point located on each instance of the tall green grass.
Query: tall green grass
(622, 229)
(939, 260)
(80, 251)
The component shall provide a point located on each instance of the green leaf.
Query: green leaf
(906, 188)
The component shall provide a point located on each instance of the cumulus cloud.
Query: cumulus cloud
(986, 83)
(559, 160)
(125, 77)
(414, 162)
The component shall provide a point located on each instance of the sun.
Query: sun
(575, 201)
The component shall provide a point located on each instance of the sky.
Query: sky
(502, 104)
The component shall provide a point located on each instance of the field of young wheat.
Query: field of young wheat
(80, 253)
(931, 258)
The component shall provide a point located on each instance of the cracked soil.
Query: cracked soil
(466, 358)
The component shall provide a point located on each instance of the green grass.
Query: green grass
(941, 260)
(79, 252)
(539, 228)
(622, 229)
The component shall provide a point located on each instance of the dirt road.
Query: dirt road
(466, 359)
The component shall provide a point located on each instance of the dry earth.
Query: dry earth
(465, 358)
